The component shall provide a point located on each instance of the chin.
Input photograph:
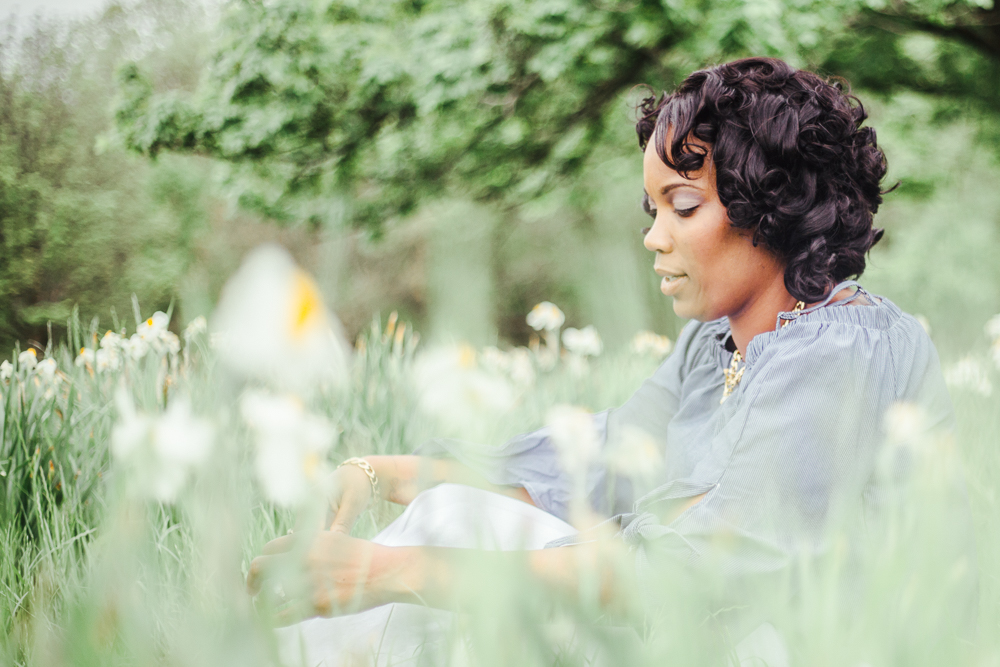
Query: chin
(686, 310)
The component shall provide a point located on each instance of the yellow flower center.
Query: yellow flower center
(466, 356)
(306, 307)
(32, 352)
(310, 463)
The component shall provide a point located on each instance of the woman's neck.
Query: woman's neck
(761, 312)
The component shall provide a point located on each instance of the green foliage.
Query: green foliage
(81, 222)
(354, 112)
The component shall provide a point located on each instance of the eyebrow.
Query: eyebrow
(672, 186)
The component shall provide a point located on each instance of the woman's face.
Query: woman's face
(710, 268)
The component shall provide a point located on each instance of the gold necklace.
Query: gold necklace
(734, 373)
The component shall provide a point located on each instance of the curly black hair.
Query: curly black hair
(792, 162)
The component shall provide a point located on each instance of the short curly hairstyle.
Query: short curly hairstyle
(792, 162)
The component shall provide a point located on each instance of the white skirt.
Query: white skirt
(398, 634)
(447, 515)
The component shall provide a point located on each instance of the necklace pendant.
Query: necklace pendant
(733, 375)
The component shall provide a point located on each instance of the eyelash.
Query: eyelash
(651, 212)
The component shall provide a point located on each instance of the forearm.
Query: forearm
(443, 577)
(402, 478)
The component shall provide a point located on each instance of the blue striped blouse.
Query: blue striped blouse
(800, 433)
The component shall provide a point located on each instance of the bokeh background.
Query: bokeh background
(454, 161)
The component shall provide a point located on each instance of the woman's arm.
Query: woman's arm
(403, 477)
(346, 575)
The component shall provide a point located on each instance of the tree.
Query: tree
(337, 110)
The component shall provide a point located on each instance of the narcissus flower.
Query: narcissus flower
(162, 449)
(647, 342)
(28, 359)
(195, 327)
(462, 396)
(574, 436)
(291, 445)
(6, 370)
(545, 316)
(585, 342)
(275, 325)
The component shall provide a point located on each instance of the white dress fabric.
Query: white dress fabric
(449, 515)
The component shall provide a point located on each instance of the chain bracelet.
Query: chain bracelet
(368, 470)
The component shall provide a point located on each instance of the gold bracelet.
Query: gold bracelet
(367, 468)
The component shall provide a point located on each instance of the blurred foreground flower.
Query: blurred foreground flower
(27, 359)
(585, 342)
(275, 326)
(515, 364)
(636, 456)
(457, 392)
(545, 316)
(647, 342)
(162, 449)
(291, 445)
(195, 327)
(574, 437)
(6, 370)
(968, 374)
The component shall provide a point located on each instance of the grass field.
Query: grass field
(141, 471)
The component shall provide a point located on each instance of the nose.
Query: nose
(658, 238)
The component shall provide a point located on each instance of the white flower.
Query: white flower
(135, 347)
(969, 374)
(168, 342)
(291, 445)
(107, 359)
(992, 328)
(585, 342)
(994, 353)
(494, 359)
(635, 455)
(545, 316)
(574, 436)
(463, 397)
(924, 323)
(28, 359)
(180, 437)
(522, 371)
(112, 341)
(6, 370)
(195, 327)
(276, 326)
(647, 342)
(86, 358)
(905, 423)
(162, 449)
(46, 369)
(151, 329)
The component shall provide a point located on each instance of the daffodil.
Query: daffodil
(585, 342)
(458, 393)
(574, 436)
(291, 445)
(968, 374)
(992, 328)
(647, 342)
(545, 316)
(107, 359)
(161, 450)
(195, 328)
(86, 358)
(28, 359)
(46, 369)
(6, 370)
(275, 325)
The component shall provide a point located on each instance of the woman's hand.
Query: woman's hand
(350, 494)
(333, 574)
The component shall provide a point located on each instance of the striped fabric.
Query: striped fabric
(799, 437)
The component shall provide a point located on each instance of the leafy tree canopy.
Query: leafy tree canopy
(353, 111)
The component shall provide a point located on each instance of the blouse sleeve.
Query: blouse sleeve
(801, 434)
(532, 462)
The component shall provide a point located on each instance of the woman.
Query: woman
(762, 184)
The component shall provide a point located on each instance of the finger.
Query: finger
(279, 546)
(257, 573)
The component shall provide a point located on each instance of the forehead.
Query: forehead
(657, 174)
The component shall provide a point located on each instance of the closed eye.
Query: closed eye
(685, 212)
(647, 206)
